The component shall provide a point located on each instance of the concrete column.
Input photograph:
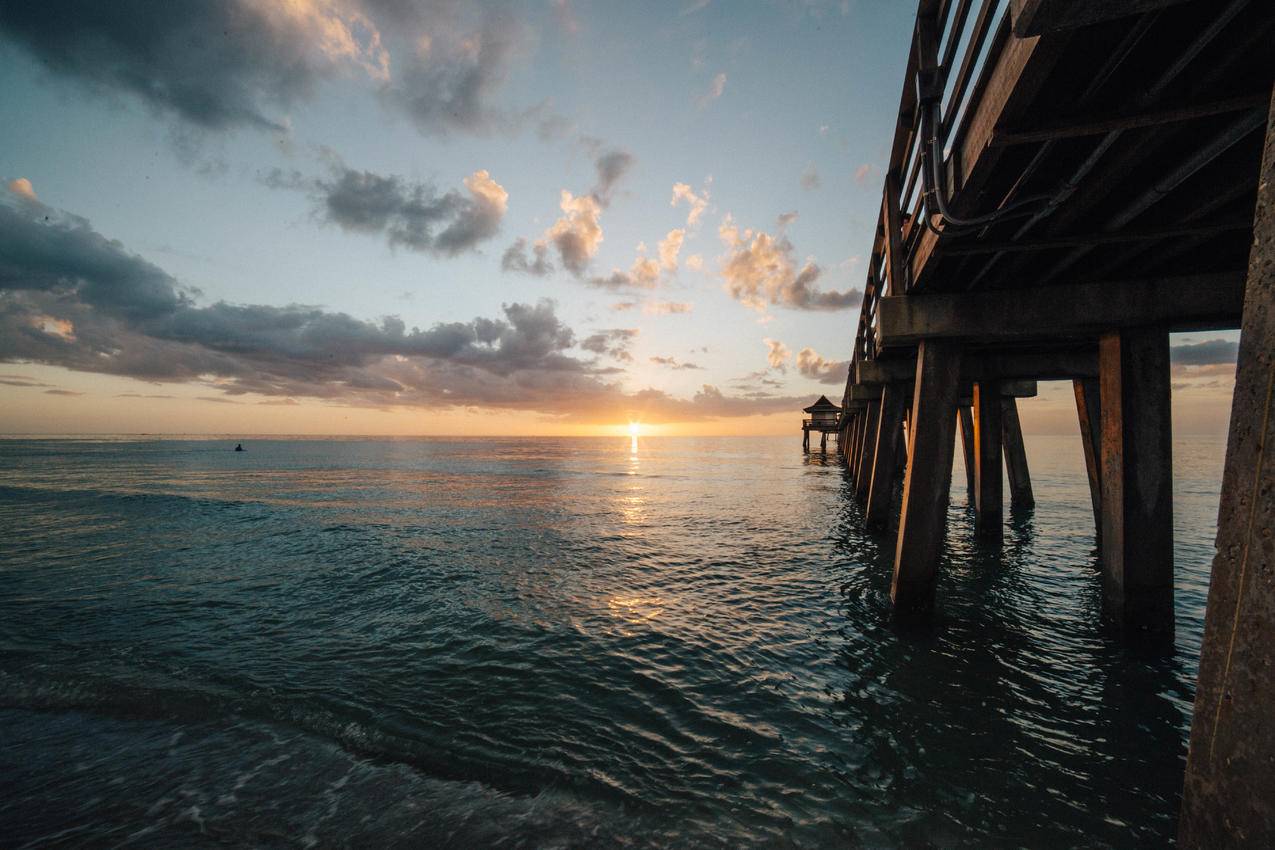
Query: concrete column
(1089, 412)
(1137, 478)
(871, 418)
(989, 497)
(885, 469)
(927, 486)
(966, 417)
(1230, 770)
(1020, 480)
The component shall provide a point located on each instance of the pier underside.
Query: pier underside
(1069, 183)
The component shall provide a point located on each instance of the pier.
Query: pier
(1068, 183)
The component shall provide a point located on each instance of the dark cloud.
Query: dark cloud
(61, 392)
(611, 166)
(448, 82)
(614, 342)
(673, 363)
(216, 64)
(222, 64)
(516, 258)
(1211, 352)
(409, 215)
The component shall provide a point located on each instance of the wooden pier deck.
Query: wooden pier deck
(1069, 182)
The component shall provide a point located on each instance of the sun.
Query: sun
(635, 429)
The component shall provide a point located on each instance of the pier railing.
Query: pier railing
(954, 43)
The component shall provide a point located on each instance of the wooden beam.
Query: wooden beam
(1101, 125)
(989, 498)
(1062, 364)
(1033, 17)
(1088, 240)
(1089, 412)
(1230, 767)
(863, 477)
(1137, 478)
(1194, 302)
(886, 451)
(1020, 480)
(926, 488)
(966, 425)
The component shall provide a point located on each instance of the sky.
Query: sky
(398, 217)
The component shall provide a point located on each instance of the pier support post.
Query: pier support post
(1020, 480)
(1089, 412)
(823, 442)
(884, 470)
(870, 420)
(1137, 477)
(966, 417)
(1230, 769)
(989, 519)
(927, 486)
(805, 439)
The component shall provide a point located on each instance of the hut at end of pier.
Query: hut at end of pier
(824, 417)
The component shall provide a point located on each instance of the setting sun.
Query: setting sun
(635, 429)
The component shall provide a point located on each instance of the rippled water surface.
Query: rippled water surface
(562, 643)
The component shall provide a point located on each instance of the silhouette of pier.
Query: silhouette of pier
(1069, 182)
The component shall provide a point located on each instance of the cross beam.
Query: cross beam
(1194, 302)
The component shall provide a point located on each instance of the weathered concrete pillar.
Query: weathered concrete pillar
(1229, 797)
(885, 469)
(967, 450)
(989, 497)
(928, 483)
(805, 439)
(823, 441)
(863, 480)
(1020, 479)
(1089, 412)
(1137, 477)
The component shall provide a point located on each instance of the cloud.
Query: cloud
(810, 178)
(578, 232)
(667, 308)
(715, 89)
(1211, 352)
(697, 203)
(670, 246)
(409, 215)
(614, 342)
(611, 166)
(695, 262)
(643, 274)
(862, 173)
(22, 188)
(760, 269)
(449, 80)
(673, 363)
(62, 392)
(127, 317)
(777, 355)
(810, 364)
(516, 258)
(215, 65)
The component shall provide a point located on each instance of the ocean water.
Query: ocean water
(563, 643)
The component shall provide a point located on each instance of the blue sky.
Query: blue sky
(777, 116)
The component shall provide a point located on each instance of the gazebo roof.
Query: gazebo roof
(821, 406)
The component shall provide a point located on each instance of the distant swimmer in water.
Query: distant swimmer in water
(239, 447)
